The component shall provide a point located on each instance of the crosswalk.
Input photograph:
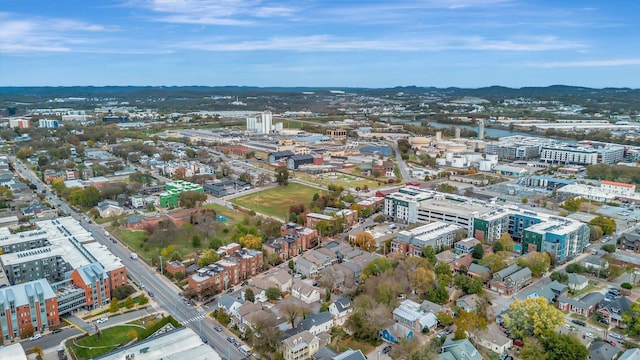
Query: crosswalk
(193, 319)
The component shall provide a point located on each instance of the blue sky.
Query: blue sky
(334, 43)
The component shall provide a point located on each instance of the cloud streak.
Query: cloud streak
(587, 63)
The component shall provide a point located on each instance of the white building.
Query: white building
(261, 124)
(569, 154)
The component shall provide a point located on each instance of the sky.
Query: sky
(331, 43)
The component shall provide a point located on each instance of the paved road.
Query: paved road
(404, 171)
(166, 294)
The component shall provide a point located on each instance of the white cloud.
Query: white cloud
(587, 63)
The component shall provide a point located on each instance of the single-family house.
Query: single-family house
(305, 292)
(630, 354)
(545, 288)
(612, 310)
(300, 346)
(458, 350)
(395, 333)
(585, 306)
(577, 282)
(601, 350)
(305, 267)
(340, 310)
(108, 209)
(317, 323)
(350, 355)
(493, 339)
(428, 306)
(630, 241)
(410, 314)
(479, 272)
(469, 302)
(594, 263)
(243, 311)
(466, 246)
(229, 304)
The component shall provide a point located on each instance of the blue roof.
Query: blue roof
(383, 150)
(313, 138)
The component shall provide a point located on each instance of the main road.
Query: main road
(166, 294)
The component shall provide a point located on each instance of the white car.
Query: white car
(590, 335)
(102, 320)
(35, 337)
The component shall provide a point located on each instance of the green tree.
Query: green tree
(282, 175)
(376, 267)
(610, 248)
(291, 264)
(467, 284)
(114, 307)
(532, 317)
(560, 277)
(495, 262)
(249, 295)
(196, 242)
(607, 224)
(273, 293)
(595, 233)
(533, 350)
(631, 319)
(430, 254)
(444, 319)
(563, 347)
(575, 268)
(143, 299)
(506, 241)
(129, 303)
(208, 257)
(537, 262)
(571, 205)
(478, 251)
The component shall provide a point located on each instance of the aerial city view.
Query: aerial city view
(326, 180)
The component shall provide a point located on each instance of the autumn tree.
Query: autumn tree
(470, 322)
(208, 257)
(422, 279)
(607, 224)
(180, 173)
(506, 241)
(129, 303)
(132, 334)
(444, 319)
(190, 199)
(631, 319)
(114, 307)
(537, 262)
(266, 337)
(532, 317)
(533, 350)
(251, 241)
(365, 240)
(282, 175)
(495, 262)
(563, 347)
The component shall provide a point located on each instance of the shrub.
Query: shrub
(123, 291)
(626, 285)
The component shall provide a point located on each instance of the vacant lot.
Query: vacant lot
(276, 201)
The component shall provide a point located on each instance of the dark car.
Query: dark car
(150, 293)
(386, 349)
(56, 331)
(230, 291)
(579, 322)
(204, 339)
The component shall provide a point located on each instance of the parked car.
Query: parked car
(590, 335)
(150, 293)
(611, 342)
(35, 337)
(231, 339)
(579, 322)
(204, 339)
(386, 349)
(615, 336)
(218, 328)
(55, 331)
(102, 320)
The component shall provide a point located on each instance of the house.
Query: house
(350, 355)
(586, 306)
(300, 346)
(479, 272)
(428, 306)
(305, 292)
(595, 263)
(469, 302)
(466, 246)
(577, 282)
(109, 209)
(242, 317)
(630, 241)
(630, 354)
(493, 339)
(340, 310)
(545, 288)
(174, 267)
(229, 304)
(305, 267)
(395, 333)
(459, 350)
(601, 350)
(317, 323)
(612, 310)
(500, 275)
(410, 314)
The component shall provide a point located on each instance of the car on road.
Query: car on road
(610, 342)
(55, 331)
(579, 322)
(230, 291)
(615, 336)
(35, 337)
(204, 339)
(150, 293)
(590, 335)
(102, 320)
(231, 339)
(218, 328)
(386, 349)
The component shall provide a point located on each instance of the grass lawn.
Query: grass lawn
(111, 338)
(109, 219)
(354, 344)
(276, 201)
(345, 180)
(586, 290)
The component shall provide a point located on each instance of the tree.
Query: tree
(610, 248)
(249, 295)
(251, 241)
(439, 293)
(560, 277)
(129, 303)
(524, 200)
(470, 322)
(114, 307)
(180, 173)
(563, 347)
(478, 252)
(495, 262)
(532, 317)
(27, 331)
(266, 337)
(572, 205)
(533, 350)
(444, 319)
(537, 262)
(190, 199)
(282, 175)
(379, 219)
(272, 293)
(143, 299)
(626, 285)
(376, 267)
(607, 224)
(575, 268)
(38, 350)
(422, 279)
(631, 319)
(467, 284)
(291, 264)
(208, 257)
(24, 153)
(506, 241)
(595, 233)
(196, 242)
(430, 254)
(365, 240)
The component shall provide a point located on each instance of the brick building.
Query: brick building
(28, 306)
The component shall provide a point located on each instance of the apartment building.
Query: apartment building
(436, 234)
(32, 305)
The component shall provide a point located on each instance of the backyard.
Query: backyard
(276, 201)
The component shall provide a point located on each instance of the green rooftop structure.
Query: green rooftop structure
(171, 196)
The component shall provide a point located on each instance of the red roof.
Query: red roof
(613, 183)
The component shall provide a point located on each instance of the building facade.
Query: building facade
(27, 307)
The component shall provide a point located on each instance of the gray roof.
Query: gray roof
(92, 272)
(324, 353)
(461, 349)
(519, 275)
(226, 301)
(315, 319)
(20, 293)
(343, 303)
(630, 354)
(350, 355)
(600, 350)
(618, 306)
(585, 302)
(507, 271)
(577, 279)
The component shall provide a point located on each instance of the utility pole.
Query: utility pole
(161, 269)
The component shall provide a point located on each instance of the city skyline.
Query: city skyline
(442, 43)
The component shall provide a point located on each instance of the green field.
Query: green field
(276, 201)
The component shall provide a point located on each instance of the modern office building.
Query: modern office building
(31, 306)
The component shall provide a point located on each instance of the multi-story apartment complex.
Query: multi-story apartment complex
(569, 154)
(235, 266)
(294, 240)
(436, 234)
(517, 147)
(171, 196)
(52, 249)
(32, 305)
(412, 205)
